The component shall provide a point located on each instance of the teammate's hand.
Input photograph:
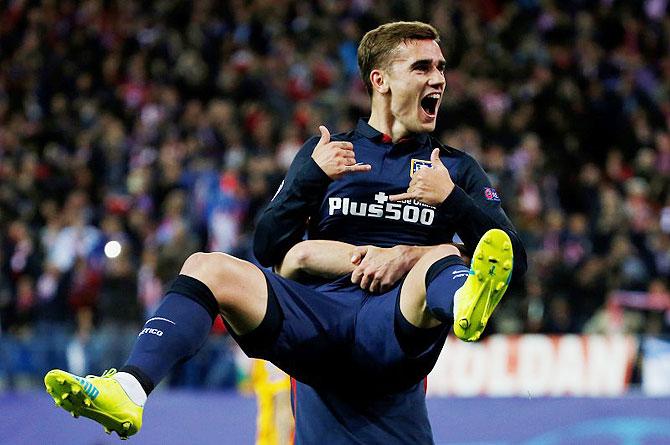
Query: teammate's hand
(429, 185)
(377, 268)
(336, 158)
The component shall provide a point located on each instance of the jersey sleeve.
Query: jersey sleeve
(474, 207)
(284, 221)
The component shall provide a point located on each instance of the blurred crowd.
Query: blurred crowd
(133, 134)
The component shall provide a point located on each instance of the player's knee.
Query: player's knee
(216, 270)
(196, 264)
(442, 251)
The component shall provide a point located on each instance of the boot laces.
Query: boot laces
(108, 373)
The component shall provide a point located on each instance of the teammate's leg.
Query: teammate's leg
(441, 288)
(209, 283)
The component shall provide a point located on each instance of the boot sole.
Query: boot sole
(490, 272)
(70, 395)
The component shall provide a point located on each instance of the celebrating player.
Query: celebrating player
(358, 312)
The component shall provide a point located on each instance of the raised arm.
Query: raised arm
(476, 208)
(473, 206)
(283, 222)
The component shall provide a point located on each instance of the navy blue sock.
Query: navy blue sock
(176, 332)
(443, 279)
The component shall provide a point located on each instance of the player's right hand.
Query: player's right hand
(336, 158)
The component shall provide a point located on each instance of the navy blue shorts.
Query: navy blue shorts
(339, 335)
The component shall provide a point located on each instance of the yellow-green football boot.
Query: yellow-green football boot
(99, 398)
(490, 272)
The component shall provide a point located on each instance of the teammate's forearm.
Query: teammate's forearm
(331, 259)
(412, 254)
(323, 258)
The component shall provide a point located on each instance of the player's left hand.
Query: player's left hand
(429, 185)
(377, 268)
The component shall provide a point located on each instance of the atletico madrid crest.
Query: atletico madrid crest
(418, 164)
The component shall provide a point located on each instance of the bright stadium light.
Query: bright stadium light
(112, 249)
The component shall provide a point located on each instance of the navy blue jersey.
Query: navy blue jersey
(330, 334)
(356, 208)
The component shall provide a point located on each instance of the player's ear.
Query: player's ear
(379, 82)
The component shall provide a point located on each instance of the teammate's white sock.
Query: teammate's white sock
(132, 387)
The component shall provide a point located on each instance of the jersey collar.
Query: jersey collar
(365, 130)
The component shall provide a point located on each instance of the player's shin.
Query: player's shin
(176, 331)
(443, 279)
(116, 399)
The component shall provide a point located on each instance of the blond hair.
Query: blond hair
(377, 45)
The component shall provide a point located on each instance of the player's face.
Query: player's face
(416, 81)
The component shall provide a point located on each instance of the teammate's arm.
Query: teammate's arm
(321, 258)
(283, 222)
(375, 269)
(380, 268)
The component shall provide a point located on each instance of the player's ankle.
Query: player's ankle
(132, 387)
(455, 305)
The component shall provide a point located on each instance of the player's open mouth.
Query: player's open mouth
(429, 104)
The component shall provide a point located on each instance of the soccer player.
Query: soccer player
(380, 284)
(274, 421)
